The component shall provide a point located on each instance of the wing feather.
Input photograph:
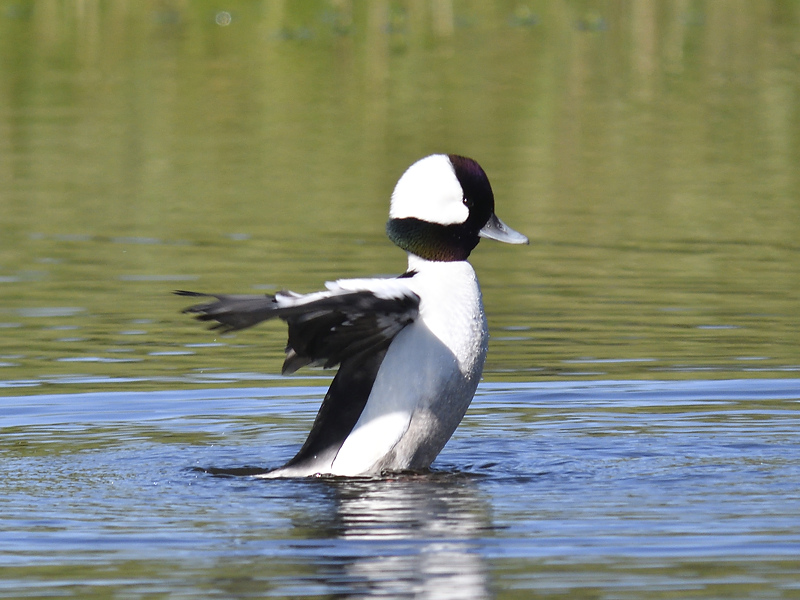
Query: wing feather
(352, 319)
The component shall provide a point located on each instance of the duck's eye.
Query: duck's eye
(466, 202)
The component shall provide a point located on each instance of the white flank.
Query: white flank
(435, 361)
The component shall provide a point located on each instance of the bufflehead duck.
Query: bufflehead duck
(410, 349)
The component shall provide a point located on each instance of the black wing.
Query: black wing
(340, 411)
(325, 328)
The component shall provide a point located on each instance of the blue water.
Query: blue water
(615, 489)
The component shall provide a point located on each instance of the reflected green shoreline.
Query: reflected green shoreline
(648, 150)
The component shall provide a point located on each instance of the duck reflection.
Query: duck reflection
(412, 536)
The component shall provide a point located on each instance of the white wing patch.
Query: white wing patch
(386, 289)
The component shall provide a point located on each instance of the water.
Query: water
(650, 154)
(600, 489)
(635, 433)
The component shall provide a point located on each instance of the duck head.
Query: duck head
(441, 207)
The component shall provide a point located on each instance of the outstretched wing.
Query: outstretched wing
(353, 318)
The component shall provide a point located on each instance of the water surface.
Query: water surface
(636, 431)
(614, 489)
(648, 151)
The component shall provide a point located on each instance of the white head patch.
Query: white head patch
(429, 190)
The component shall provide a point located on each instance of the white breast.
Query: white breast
(427, 378)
